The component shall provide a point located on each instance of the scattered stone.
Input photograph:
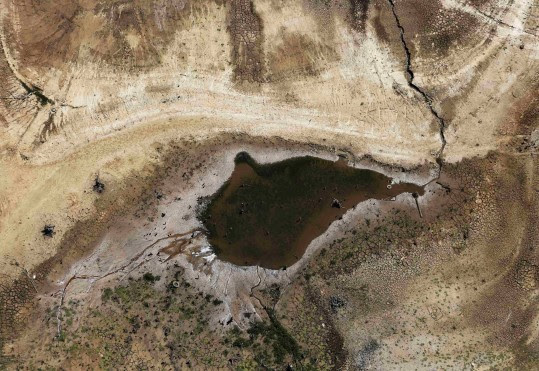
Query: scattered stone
(336, 204)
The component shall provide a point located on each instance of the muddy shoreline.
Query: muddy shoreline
(149, 190)
(162, 238)
(139, 200)
(267, 215)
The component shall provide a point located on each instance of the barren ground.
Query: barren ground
(118, 118)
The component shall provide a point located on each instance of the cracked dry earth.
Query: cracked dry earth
(120, 119)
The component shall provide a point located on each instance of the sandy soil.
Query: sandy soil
(154, 99)
(96, 105)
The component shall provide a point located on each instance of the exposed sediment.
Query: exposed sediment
(117, 117)
(426, 97)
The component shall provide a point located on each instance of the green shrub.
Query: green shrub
(107, 293)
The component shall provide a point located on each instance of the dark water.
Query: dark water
(268, 214)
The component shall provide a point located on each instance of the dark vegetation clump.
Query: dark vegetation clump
(48, 230)
(274, 333)
(106, 294)
(99, 187)
(240, 342)
(270, 341)
(149, 277)
(335, 303)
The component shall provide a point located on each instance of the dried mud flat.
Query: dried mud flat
(118, 119)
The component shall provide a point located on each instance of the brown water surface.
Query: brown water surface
(267, 214)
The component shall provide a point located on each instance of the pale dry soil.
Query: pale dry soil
(155, 98)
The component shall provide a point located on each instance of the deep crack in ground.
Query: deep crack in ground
(37, 92)
(426, 97)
